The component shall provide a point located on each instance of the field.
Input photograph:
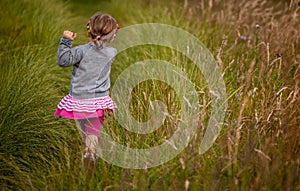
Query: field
(256, 46)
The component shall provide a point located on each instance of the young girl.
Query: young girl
(89, 98)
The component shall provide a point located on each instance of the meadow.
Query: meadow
(256, 45)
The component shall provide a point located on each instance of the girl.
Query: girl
(89, 98)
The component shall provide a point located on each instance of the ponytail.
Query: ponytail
(98, 42)
(101, 40)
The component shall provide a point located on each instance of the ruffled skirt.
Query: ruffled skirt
(74, 108)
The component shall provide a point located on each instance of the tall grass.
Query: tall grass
(35, 147)
(255, 45)
(258, 148)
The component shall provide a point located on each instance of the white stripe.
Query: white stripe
(85, 105)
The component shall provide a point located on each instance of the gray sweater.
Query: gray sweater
(91, 68)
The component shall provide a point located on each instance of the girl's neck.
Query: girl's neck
(91, 42)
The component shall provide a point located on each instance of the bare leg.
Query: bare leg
(92, 127)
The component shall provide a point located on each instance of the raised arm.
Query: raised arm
(66, 55)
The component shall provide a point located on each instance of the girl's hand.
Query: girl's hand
(109, 113)
(69, 35)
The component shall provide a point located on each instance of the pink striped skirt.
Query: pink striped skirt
(74, 108)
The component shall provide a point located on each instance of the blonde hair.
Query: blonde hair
(102, 29)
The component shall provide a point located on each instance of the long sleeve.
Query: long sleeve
(66, 55)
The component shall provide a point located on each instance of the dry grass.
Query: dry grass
(260, 57)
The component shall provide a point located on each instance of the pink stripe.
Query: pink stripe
(80, 115)
(86, 102)
(82, 105)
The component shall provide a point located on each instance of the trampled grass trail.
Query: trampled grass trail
(256, 44)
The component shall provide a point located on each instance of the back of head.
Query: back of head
(102, 29)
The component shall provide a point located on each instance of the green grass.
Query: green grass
(258, 148)
(35, 146)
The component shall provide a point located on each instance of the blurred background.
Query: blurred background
(256, 44)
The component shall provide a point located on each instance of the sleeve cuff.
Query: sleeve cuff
(66, 41)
